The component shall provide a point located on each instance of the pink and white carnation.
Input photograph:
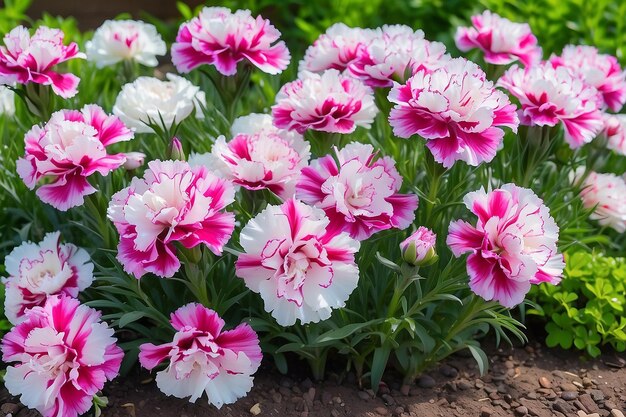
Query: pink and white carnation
(25, 59)
(38, 270)
(456, 109)
(67, 150)
(501, 40)
(327, 102)
(61, 355)
(336, 48)
(601, 71)
(549, 96)
(203, 357)
(615, 132)
(125, 40)
(606, 194)
(419, 248)
(357, 191)
(302, 269)
(513, 245)
(394, 50)
(148, 100)
(173, 202)
(270, 159)
(222, 38)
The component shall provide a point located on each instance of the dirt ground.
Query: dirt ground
(529, 381)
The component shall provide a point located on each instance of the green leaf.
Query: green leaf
(481, 358)
(379, 363)
(130, 318)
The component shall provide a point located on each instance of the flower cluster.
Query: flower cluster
(501, 40)
(358, 192)
(125, 40)
(330, 102)
(600, 71)
(25, 59)
(456, 109)
(36, 271)
(150, 101)
(62, 354)
(512, 246)
(549, 96)
(606, 195)
(301, 267)
(261, 157)
(376, 56)
(221, 38)
(204, 358)
(67, 150)
(172, 203)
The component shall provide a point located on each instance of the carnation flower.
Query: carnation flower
(204, 358)
(7, 101)
(330, 102)
(271, 158)
(394, 50)
(606, 194)
(501, 40)
(125, 40)
(25, 59)
(358, 191)
(173, 202)
(419, 248)
(134, 160)
(37, 270)
(221, 38)
(598, 70)
(456, 109)
(336, 48)
(62, 355)
(67, 150)
(301, 269)
(148, 100)
(615, 132)
(549, 96)
(512, 246)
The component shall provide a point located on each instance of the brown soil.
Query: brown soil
(531, 381)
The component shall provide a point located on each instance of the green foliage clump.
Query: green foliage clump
(586, 310)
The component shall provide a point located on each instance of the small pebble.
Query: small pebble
(569, 395)
(426, 381)
(521, 411)
(545, 382)
(256, 409)
(382, 411)
(616, 413)
(486, 412)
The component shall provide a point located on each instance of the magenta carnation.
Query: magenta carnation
(328, 102)
(221, 38)
(391, 52)
(549, 96)
(25, 59)
(456, 109)
(501, 40)
(301, 269)
(204, 358)
(513, 245)
(67, 150)
(358, 191)
(269, 158)
(598, 70)
(38, 270)
(336, 48)
(173, 202)
(615, 132)
(62, 356)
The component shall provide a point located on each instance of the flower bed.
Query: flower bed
(386, 206)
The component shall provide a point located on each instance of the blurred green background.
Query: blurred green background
(555, 22)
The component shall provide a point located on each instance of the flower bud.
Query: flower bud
(134, 160)
(419, 248)
(176, 150)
